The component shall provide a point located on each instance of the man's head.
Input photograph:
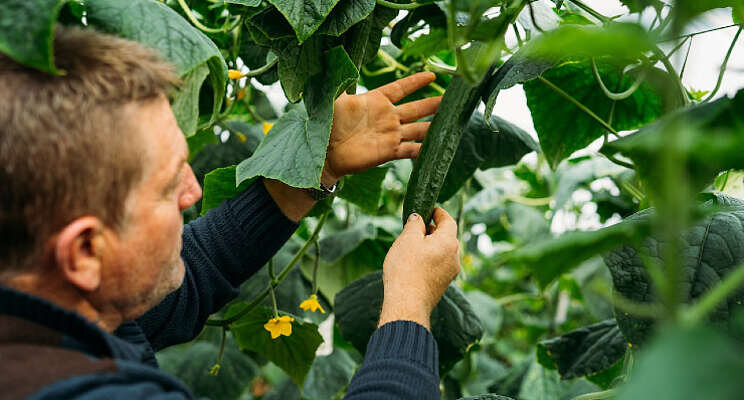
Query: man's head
(93, 175)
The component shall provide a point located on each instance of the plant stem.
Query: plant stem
(591, 11)
(597, 395)
(698, 33)
(260, 70)
(273, 301)
(271, 269)
(618, 96)
(275, 282)
(670, 70)
(315, 267)
(407, 6)
(222, 345)
(394, 64)
(687, 56)
(696, 313)
(513, 298)
(529, 201)
(723, 66)
(196, 22)
(577, 103)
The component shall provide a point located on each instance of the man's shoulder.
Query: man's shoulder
(48, 372)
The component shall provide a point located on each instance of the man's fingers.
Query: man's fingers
(401, 88)
(446, 225)
(414, 226)
(407, 150)
(414, 131)
(418, 109)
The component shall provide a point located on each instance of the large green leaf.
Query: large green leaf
(186, 102)
(294, 354)
(328, 375)
(543, 384)
(481, 148)
(158, 26)
(711, 250)
(305, 16)
(294, 150)
(520, 68)
(707, 137)
(688, 365)
(27, 32)
(219, 185)
(550, 258)
(564, 128)
(585, 351)
(364, 189)
(454, 323)
(191, 363)
(346, 14)
(339, 244)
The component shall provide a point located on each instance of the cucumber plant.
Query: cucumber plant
(587, 274)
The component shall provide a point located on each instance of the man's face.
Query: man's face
(147, 263)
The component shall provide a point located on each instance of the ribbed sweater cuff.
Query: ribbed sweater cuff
(404, 340)
(260, 218)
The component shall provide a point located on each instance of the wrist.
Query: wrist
(328, 178)
(392, 312)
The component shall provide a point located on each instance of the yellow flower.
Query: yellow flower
(312, 304)
(215, 370)
(267, 127)
(234, 74)
(279, 326)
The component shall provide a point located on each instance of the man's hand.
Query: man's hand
(369, 130)
(418, 269)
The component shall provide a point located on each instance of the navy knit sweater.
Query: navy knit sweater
(51, 353)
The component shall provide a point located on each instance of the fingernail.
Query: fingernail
(412, 217)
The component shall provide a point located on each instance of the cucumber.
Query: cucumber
(439, 147)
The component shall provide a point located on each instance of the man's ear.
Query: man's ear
(79, 252)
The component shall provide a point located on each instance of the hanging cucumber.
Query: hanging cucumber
(439, 147)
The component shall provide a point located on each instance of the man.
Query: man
(97, 270)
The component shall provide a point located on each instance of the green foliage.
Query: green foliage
(161, 28)
(192, 362)
(550, 258)
(454, 324)
(688, 364)
(364, 189)
(294, 150)
(305, 16)
(572, 129)
(219, 185)
(706, 137)
(584, 351)
(534, 293)
(27, 32)
(712, 249)
(294, 353)
(482, 148)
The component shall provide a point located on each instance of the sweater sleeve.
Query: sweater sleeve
(220, 251)
(401, 363)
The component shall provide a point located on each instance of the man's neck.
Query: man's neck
(65, 296)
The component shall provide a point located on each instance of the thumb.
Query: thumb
(414, 226)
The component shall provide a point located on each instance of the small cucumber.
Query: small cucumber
(439, 147)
